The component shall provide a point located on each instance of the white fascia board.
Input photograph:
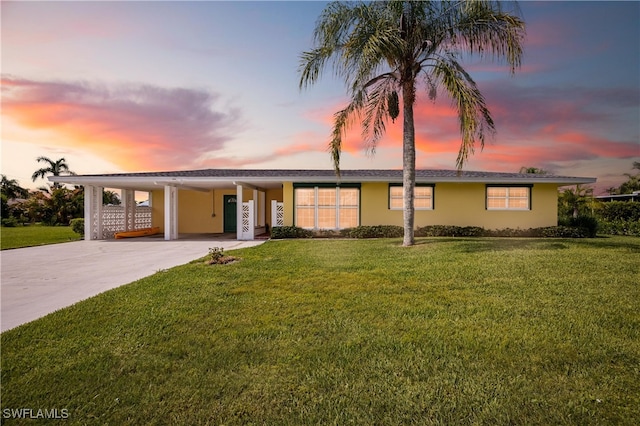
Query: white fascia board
(192, 182)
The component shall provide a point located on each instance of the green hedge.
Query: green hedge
(619, 211)
(450, 231)
(378, 231)
(620, 227)
(282, 232)
(392, 231)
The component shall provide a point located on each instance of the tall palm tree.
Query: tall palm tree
(380, 49)
(55, 168)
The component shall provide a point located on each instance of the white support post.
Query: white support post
(239, 200)
(262, 209)
(92, 213)
(274, 213)
(170, 213)
(255, 203)
(129, 204)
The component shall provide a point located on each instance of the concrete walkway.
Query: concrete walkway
(39, 280)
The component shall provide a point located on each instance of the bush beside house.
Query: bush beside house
(618, 218)
(390, 231)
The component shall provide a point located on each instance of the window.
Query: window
(422, 197)
(327, 208)
(508, 198)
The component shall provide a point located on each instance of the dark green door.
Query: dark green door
(230, 213)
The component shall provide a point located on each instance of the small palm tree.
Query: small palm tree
(573, 202)
(532, 170)
(55, 168)
(633, 181)
(383, 50)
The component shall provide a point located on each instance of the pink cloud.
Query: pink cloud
(135, 126)
(539, 127)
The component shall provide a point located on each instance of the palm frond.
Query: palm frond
(473, 114)
(343, 119)
(376, 111)
(484, 28)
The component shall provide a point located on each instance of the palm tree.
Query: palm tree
(381, 48)
(55, 168)
(633, 181)
(574, 202)
(532, 170)
(11, 189)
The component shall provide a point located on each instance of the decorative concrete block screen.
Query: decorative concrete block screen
(247, 230)
(277, 213)
(114, 220)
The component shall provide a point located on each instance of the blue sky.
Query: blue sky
(143, 86)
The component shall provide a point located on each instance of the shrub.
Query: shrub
(588, 224)
(10, 222)
(562, 232)
(328, 233)
(376, 231)
(282, 232)
(620, 227)
(619, 211)
(450, 231)
(77, 225)
(217, 257)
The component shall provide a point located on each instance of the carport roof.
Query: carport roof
(273, 178)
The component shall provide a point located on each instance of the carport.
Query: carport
(248, 191)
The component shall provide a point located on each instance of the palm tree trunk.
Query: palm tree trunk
(408, 160)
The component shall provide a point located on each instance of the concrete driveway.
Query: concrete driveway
(39, 280)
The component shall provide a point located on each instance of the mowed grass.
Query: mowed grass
(35, 235)
(450, 331)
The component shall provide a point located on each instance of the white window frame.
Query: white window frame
(508, 197)
(337, 206)
(431, 197)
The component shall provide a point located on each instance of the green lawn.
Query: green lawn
(35, 235)
(365, 332)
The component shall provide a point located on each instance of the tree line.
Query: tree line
(51, 204)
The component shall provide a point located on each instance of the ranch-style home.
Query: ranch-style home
(248, 202)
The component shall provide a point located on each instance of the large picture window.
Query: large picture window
(508, 198)
(327, 208)
(422, 197)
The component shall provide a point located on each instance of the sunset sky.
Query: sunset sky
(148, 86)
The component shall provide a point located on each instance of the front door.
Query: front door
(230, 213)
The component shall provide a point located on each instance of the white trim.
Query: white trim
(274, 179)
(239, 201)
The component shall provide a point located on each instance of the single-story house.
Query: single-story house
(247, 202)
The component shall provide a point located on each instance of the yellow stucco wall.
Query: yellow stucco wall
(287, 200)
(461, 204)
(203, 212)
(156, 198)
